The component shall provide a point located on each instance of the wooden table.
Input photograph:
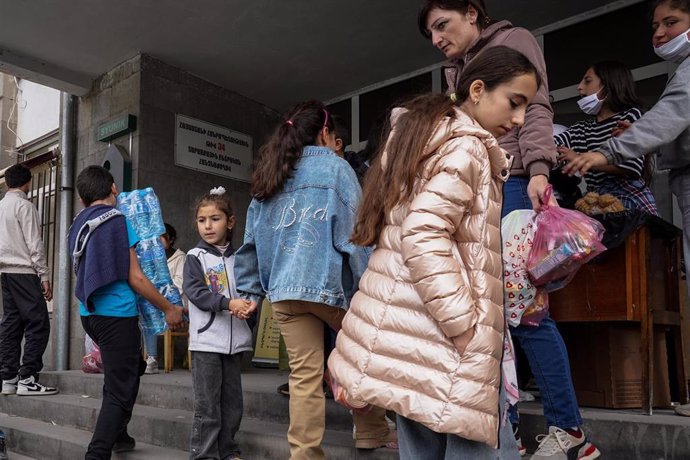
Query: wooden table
(638, 282)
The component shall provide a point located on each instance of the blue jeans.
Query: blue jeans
(417, 442)
(543, 345)
(150, 344)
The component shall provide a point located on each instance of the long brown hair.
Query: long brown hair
(387, 186)
(278, 156)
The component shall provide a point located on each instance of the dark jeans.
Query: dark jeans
(25, 314)
(543, 345)
(218, 405)
(120, 342)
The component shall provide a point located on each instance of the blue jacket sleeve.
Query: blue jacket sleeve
(356, 258)
(247, 280)
(196, 289)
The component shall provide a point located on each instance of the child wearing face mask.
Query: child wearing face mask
(608, 95)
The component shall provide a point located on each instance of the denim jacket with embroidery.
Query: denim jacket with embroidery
(297, 243)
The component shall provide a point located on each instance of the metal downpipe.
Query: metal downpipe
(68, 152)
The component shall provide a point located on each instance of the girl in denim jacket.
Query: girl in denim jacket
(297, 252)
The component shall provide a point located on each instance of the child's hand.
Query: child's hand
(173, 316)
(250, 310)
(238, 307)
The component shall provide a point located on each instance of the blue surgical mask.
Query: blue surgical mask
(591, 105)
(675, 50)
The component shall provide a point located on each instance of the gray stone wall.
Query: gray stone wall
(166, 91)
(154, 92)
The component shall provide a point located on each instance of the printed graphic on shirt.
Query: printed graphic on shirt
(216, 278)
(297, 222)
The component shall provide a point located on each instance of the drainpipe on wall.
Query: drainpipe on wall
(68, 151)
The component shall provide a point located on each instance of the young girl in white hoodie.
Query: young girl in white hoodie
(218, 331)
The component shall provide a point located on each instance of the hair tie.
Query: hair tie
(454, 97)
(289, 122)
(217, 191)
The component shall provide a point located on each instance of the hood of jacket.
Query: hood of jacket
(424, 334)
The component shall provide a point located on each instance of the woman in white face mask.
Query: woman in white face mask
(666, 127)
(608, 95)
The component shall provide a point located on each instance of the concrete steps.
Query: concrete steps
(60, 426)
(46, 441)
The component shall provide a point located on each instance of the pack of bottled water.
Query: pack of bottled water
(142, 209)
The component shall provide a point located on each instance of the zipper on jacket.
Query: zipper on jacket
(227, 277)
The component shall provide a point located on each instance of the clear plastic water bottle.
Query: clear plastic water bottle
(142, 209)
(152, 320)
(146, 255)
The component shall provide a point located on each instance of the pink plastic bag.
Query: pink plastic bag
(564, 241)
(524, 302)
(91, 363)
(343, 398)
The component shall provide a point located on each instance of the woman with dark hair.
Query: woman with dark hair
(462, 30)
(608, 95)
(297, 252)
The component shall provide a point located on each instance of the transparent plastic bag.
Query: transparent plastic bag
(91, 363)
(564, 241)
(524, 302)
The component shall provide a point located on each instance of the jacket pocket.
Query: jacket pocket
(205, 327)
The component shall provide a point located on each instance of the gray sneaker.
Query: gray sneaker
(560, 445)
(683, 409)
(9, 387)
(30, 387)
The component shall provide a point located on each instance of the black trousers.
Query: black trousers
(25, 315)
(119, 340)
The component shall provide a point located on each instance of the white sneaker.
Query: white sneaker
(30, 387)
(560, 445)
(683, 409)
(151, 365)
(9, 387)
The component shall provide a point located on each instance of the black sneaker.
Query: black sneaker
(30, 387)
(284, 389)
(124, 443)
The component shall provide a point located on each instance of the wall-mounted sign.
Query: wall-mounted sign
(213, 149)
(117, 127)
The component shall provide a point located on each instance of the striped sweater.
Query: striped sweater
(588, 135)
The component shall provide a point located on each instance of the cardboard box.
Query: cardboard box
(606, 364)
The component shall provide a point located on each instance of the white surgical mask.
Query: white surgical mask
(591, 105)
(675, 50)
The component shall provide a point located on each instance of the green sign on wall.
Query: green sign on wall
(117, 127)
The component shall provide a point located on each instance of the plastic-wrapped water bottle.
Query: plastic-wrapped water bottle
(143, 211)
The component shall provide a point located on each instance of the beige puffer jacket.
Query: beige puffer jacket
(435, 275)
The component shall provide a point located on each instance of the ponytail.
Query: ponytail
(278, 157)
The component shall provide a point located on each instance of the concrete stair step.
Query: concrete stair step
(16, 456)
(258, 439)
(174, 391)
(45, 441)
(153, 425)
